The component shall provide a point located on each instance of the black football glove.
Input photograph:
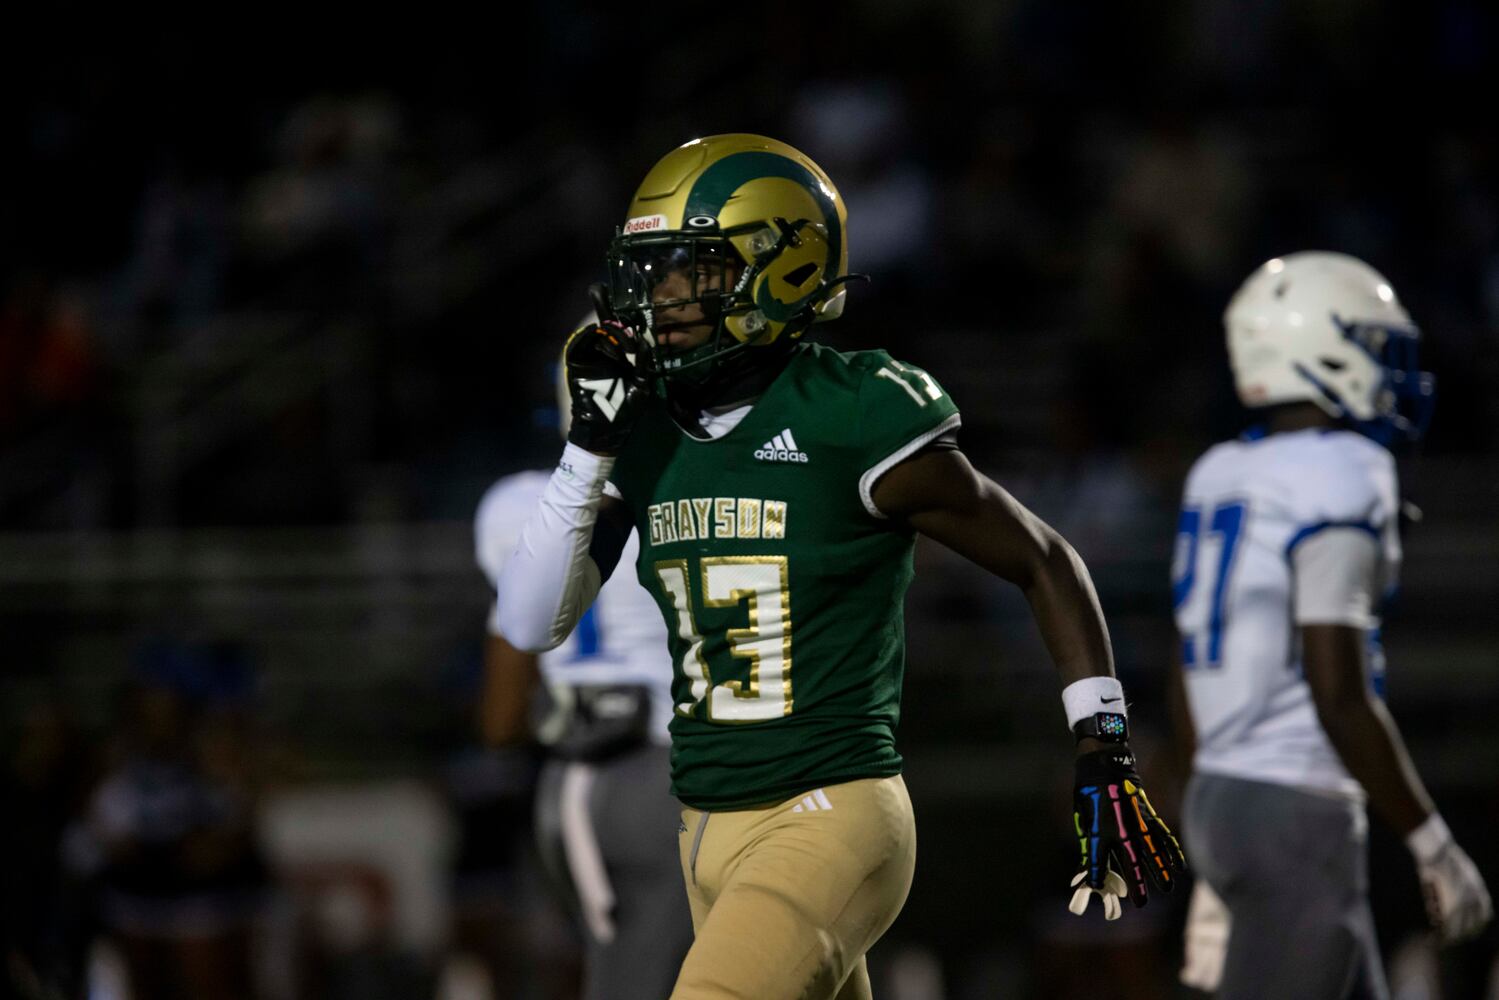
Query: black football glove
(608, 380)
(1121, 837)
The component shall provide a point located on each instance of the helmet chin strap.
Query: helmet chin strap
(741, 376)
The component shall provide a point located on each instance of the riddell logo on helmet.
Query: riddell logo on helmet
(645, 224)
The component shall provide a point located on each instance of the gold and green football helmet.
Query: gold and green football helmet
(758, 231)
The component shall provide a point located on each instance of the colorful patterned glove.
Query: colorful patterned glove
(1120, 835)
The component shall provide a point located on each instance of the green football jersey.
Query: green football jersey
(781, 583)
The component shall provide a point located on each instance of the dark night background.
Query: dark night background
(278, 299)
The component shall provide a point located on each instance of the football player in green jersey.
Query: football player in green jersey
(777, 487)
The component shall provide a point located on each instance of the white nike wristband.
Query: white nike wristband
(1427, 840)
(1086, 698)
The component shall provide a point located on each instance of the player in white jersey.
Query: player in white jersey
(617, 642)
(606, 822)
(1287, 542)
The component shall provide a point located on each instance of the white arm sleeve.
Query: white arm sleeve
(550, 579)
(1337, 578)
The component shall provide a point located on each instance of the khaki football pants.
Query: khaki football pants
(786, 899)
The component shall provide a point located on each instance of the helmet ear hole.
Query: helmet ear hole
(800, 276)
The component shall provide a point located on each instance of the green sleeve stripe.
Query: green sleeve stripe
(905, 451)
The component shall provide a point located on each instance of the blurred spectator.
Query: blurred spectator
(175, 275)
(180, 878)
(317, 219)
(44, 918)
(48, 367)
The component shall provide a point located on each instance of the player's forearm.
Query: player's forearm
(550, 579)
(1370, 746)
(1183, 732)
(510, 676)
(943, 497)
(1066, 609)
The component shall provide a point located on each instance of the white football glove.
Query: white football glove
(1457, 901)
(1208, 925)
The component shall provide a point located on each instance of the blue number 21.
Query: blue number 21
(1228, 521)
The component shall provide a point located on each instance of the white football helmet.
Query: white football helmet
(1327, 328)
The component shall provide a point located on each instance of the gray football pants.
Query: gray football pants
(1292, 867)
(607, 832)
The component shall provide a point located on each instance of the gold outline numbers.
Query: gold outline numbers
(765, 643)
(673, 576)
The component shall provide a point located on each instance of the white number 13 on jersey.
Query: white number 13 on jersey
(729, 581)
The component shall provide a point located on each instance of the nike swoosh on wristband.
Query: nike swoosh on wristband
(1110, 701)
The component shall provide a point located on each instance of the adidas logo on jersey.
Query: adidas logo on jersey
(816, 801)
(781, 448)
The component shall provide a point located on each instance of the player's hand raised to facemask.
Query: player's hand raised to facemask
(608, 381)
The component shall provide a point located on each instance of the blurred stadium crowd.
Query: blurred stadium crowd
(274, 314)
